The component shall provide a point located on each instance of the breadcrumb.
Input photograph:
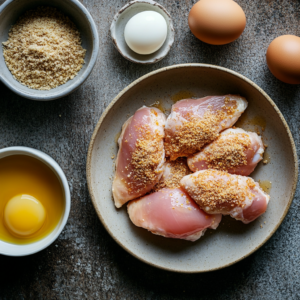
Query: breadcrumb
(220, 194)
(145, 159)
(229, 152)
(177, 170)
(44, 49)
(196, 132)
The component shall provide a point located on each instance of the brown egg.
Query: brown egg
(283, 58)
(217, 22)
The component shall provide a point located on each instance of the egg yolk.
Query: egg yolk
(24, 215)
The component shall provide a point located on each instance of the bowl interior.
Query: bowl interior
(26, 249)
(120, 22)
(10, 15)
(233, 240)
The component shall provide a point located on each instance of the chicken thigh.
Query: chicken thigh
(171, 213)
(235, 151)
(141, 155)
(217, 192)
(193, 123)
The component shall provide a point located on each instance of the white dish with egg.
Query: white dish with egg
(124, 31)
(11, 249)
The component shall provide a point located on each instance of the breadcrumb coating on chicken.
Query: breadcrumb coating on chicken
(196, 132)
(228, 152)
(217, 190)
(145, 159)
(178, 169)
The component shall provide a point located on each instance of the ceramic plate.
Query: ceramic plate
(233, 240)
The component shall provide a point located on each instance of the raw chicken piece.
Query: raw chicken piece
(217, 192)
(193, 123)
(141, 155)
(173, 171)
(173, 214)
(235, 151)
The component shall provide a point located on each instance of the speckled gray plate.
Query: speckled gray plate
(233, 240)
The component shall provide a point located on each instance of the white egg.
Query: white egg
(146, 32)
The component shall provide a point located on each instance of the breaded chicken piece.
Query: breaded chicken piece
(193, 123)
(235, 151)
(217, 192)
(141, 155)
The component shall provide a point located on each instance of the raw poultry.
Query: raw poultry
(235, 151)
(193, 123)
(141, 155)
(217, 192)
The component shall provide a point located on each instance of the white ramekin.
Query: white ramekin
(23, 250)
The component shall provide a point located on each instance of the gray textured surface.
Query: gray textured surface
(85, 263)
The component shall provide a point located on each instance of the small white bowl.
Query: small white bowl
(23, 250)
(124, 15)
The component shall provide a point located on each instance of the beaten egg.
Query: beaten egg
(217, 22)
(283, 58)
(31, 199)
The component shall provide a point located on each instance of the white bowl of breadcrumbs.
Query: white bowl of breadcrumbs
(49, 48)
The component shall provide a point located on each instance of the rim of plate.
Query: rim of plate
(91, 146)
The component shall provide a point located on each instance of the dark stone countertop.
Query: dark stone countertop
(85, 262)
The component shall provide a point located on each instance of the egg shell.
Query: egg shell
(217, 22)
(283, 58)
